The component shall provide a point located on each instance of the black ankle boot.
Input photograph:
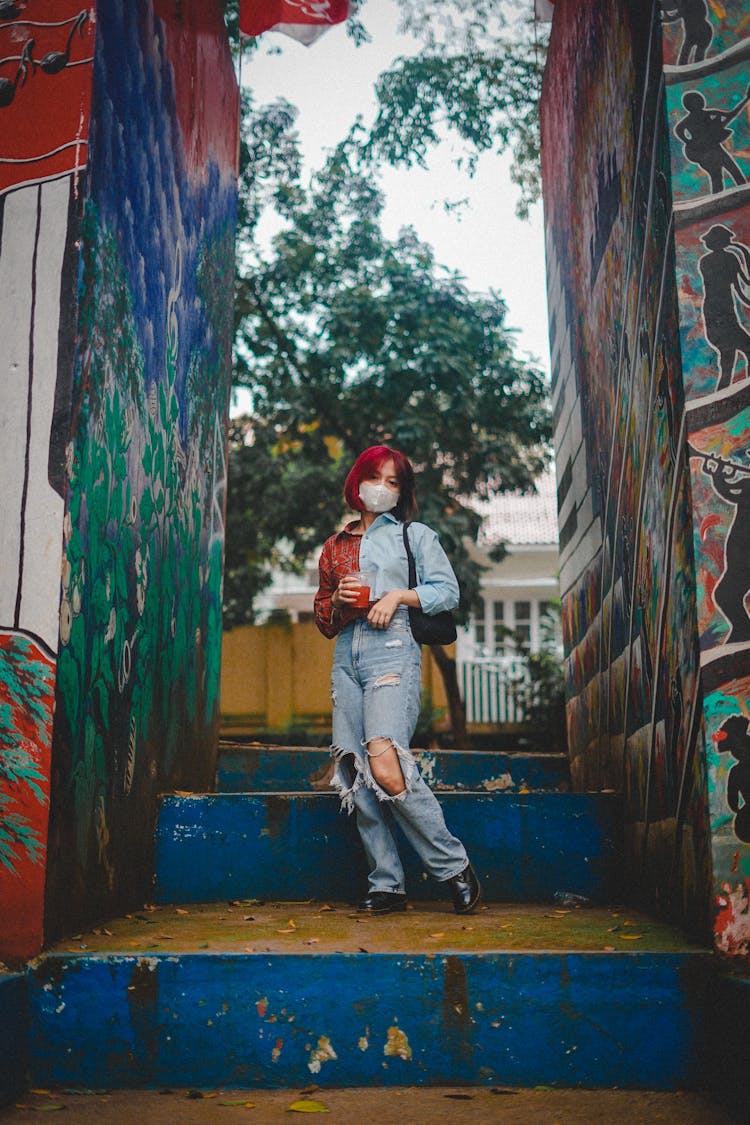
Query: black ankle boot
(382, 902)
(465, 891)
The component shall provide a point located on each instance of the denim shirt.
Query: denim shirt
(382, 550)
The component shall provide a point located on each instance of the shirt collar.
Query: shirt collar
(347, 530)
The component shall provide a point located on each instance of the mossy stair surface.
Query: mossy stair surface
(257, 768)
(525, 847)
(281, 994)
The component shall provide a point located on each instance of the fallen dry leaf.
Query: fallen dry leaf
(179, 910)
(609, 948)
(308, 1106)
(325, 906)
(238, 1102)
(629, 937)
(312, 941)
(441, 934)
(285, 931)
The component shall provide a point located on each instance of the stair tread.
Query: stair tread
(253, 747)
(315, 927)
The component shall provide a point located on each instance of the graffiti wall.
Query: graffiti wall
(706, 50)
(140, 613)
(627, 552)
(118, 141)
(46, 55)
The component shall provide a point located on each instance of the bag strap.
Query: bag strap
(410, 557)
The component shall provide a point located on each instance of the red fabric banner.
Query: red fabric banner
(302, 19)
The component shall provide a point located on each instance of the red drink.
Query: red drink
(364, 579)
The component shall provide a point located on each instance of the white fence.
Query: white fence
(493, 690)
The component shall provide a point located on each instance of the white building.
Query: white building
(519, 592)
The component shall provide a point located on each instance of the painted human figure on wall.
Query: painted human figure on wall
(703, 132)
(732, 483)
(698, 32)
(725, 271)
(733, 737)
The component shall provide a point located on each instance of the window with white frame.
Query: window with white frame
(506, 624)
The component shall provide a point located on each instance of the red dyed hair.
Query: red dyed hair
(371, 459)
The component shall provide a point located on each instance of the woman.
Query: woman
(376, 679)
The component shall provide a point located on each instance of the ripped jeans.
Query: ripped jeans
(376, 688)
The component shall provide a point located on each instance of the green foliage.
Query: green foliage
(476, 78)
(347, 339)
(542, 693)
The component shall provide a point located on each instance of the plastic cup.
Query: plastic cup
(366, 580)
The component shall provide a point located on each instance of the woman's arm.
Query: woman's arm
(326, 614)
(437, 585)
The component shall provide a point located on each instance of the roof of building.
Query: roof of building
(520, 518)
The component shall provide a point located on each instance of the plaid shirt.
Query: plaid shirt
(339, 557)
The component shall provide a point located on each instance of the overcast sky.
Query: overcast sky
(330, 83)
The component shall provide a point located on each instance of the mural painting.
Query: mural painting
(709, 124)
(627, 564)
(140, 616)
(46, 54)
(117, 209)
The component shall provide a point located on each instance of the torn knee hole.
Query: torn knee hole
(390, 679)
(378, 746)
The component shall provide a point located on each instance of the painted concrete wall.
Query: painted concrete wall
(114, 652)
(628, 568)
(706, 77)
(44, 129)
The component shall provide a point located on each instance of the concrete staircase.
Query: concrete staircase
(251, 968)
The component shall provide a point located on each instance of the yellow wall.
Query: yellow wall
(273, 676)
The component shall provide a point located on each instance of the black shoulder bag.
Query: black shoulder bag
(427, 628)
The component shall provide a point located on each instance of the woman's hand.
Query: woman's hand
(346, 592)
(381, 613)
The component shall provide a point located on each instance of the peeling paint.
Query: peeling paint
(321, 1054)
(732, 925)
(363, 1043)
(498, 784)
(397, 1045)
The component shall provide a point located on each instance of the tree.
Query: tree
(477, 77)
(347, 339)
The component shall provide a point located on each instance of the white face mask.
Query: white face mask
(378, 497)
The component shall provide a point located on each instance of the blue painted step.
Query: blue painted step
(525, 847)
(255, 769)
(596, 1019)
